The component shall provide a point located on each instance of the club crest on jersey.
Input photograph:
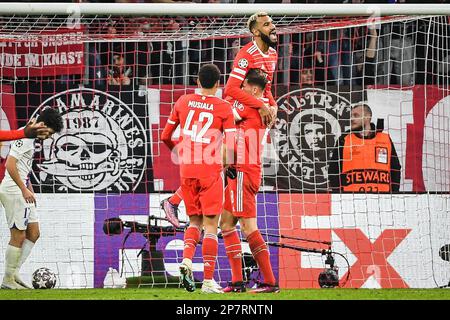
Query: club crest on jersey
(243, 63)
(18, 143)
(238, 105)
(96, 149)
(310, 121)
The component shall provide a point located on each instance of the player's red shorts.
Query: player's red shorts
(203, 196)
(240, 198)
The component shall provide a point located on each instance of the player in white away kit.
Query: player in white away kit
(18, 199)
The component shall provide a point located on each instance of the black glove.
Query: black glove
(231, 172)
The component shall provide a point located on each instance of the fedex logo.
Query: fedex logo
(366, 245)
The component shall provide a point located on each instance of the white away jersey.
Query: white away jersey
(23, 151)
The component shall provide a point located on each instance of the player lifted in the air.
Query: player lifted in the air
(19, 201)
(257, 54)
(240, 199)
(206, 121)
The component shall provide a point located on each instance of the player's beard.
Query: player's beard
(266, 39)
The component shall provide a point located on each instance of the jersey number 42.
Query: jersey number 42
(191, 127)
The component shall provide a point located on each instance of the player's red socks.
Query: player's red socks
(191, 238)
(261, 254)
(209, 250)
(234, 253)
(176, 198)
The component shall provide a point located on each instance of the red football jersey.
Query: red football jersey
(250, 138)
(251, 57)
(203, 120)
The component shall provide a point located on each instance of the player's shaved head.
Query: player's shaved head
(208, 75)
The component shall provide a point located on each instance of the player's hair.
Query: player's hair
(208, 75)
(365, 106)
(251, 22)
(257, 77)
(51, 118)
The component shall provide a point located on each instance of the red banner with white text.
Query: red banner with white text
(47, 54)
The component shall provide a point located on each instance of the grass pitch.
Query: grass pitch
(181, 294)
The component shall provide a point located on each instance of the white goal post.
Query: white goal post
(222, 9)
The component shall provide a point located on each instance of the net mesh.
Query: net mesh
(115, 80)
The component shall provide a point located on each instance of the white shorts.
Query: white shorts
(18, 212)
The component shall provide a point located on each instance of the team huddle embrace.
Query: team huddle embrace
(219, 154)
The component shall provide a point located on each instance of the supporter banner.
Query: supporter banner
(310, 121)
(417, 120)
(295, 159)
(47, 54)
(161, 101)
(103, 147)
(302, 163)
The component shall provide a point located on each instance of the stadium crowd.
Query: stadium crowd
(384, 54)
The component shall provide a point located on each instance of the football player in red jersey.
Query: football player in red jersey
(257, 54)
(240, 198)
(260, 54)
(206, 121)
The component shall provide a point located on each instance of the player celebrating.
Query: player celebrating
(240, 205)
(204, 119)
(259, 54)
(18, 199)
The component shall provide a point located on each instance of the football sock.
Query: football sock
(176, 198)
(26, 251)
(191, 238)
(12, 257)
(261, 254)
(234, 253)
(209, 250)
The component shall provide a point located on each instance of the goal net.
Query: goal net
(115, 79)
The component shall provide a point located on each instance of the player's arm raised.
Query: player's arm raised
(233, 89)
(242, 63)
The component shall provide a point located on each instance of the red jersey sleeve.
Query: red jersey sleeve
(240, 111)
(228, 122)
(229, 129)
(171, 125)
(242, 63)
(269, 95)
(6, 135)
